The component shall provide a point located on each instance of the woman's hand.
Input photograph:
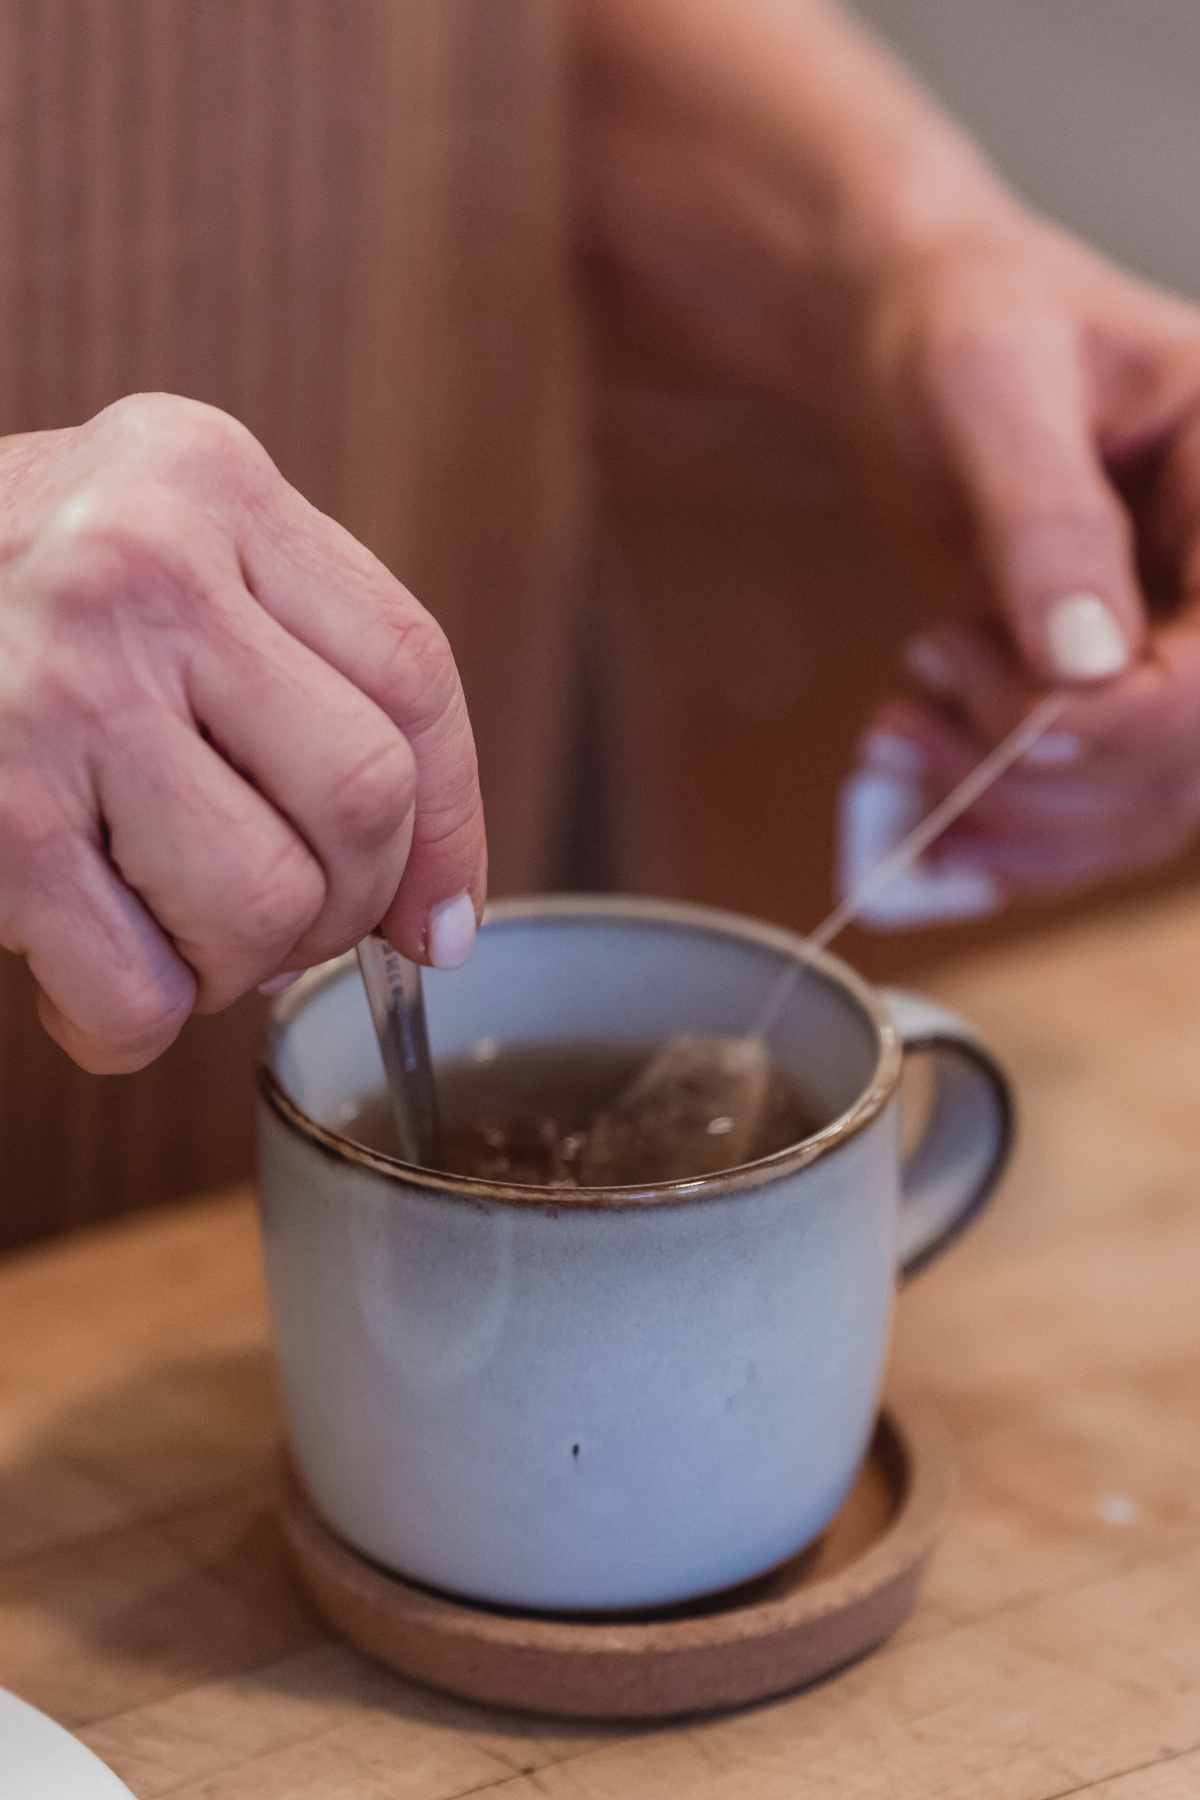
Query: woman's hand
(1029, 423)
(230, 742)
(1026, 419)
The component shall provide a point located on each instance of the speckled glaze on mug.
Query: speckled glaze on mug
(611, 1398)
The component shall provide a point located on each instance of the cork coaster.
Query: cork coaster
(839, 1598)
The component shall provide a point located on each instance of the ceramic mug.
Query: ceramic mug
(606, 1399)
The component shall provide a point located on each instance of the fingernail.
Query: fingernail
(1055, 747)
(1084, 640)
(279, 984)
(452, 932)
(893, 754)
(925, 658)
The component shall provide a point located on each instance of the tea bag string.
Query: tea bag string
(902, 856)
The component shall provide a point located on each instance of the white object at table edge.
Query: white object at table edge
(41, 1761)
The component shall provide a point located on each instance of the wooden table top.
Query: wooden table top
(146, 1603)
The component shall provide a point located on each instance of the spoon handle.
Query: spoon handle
(397, 1004)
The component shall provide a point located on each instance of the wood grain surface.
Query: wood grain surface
(145, 1600)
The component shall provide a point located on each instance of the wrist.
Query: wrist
(899, 199)
(768, 173)
(914, 255)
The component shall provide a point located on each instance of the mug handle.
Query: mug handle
(950, 1174)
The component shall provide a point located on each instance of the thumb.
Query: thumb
(1056, 541)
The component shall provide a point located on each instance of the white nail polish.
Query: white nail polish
(1084, 639)
(1055, 748)
(925, 658)
(893, 755)
(452, 932)
(279, 984)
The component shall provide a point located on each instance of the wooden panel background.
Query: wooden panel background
(341, 220)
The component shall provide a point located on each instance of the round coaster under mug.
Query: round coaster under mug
(841, 1597)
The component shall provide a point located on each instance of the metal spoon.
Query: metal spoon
(397, 1005)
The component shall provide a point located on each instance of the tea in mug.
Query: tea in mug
(604, 1115)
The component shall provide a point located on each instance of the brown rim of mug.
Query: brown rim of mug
(590, 909)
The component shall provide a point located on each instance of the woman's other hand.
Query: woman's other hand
(1025, 417)
(1030, 426)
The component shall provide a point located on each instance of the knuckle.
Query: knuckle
(456, 817)
(270, 901)
(113, 591)
(150, 1015)
(421, 672)
(140, 1013)
(110, 543)
(143, 412)
(118, 547)
(174, 420)
(372, 801)
(189, 436)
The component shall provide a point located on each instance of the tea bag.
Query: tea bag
(696, 1107)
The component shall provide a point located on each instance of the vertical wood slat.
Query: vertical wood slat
(13, 86)
(160, 224)
(52, 218)
(106, 97)
(340, 220)
(431, 449)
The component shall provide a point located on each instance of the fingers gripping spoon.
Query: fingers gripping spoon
(393, 985)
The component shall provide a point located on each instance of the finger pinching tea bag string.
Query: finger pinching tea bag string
(971, 788)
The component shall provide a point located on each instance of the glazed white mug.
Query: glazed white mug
(611, 1398)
